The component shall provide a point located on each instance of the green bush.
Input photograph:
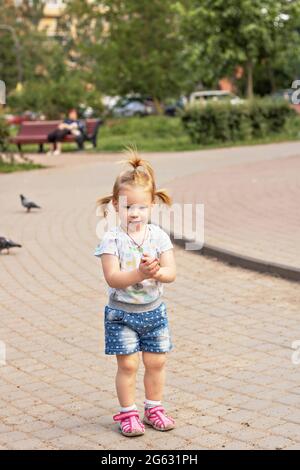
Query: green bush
(223, 122)
(54, 98)
(4, 134)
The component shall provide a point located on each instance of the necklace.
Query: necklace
(139, 245)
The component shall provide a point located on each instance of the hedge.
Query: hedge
(223, 122)
(4, 134)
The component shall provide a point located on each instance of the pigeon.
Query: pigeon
(5, 243)
(28, 204)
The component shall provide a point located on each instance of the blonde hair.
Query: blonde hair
(143, 177)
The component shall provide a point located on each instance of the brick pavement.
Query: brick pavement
(230, 381)
(250, 209)
(250, 194)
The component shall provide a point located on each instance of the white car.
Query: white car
(213, 95)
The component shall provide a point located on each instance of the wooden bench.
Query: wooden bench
(36, 132)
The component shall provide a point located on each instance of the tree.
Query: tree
(228, 33)
(50, 84)
(133, 46)
(54, 97)
(19, 37)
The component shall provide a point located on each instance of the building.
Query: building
(53, 10)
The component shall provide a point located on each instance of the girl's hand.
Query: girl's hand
(148, 266)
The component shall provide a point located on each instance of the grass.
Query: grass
(152, 134)
(12, 167)
(163, 134)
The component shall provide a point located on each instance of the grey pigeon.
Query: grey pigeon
(5, 243)
(28, 204)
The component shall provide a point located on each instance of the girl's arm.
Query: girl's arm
(121, 279)
(167, 271)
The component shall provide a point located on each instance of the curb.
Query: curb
(247, 262)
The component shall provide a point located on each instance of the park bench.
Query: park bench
(36, 132)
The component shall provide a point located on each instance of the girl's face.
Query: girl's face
(134, 207)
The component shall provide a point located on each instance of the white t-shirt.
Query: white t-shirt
(117, 242)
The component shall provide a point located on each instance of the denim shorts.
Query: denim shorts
(127, 333)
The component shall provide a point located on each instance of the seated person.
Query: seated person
(70, 125)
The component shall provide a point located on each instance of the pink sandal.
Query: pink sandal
(130, 424)
(157, 418)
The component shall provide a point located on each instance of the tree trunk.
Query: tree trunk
(158, 106)
(272, 77)
(249, 80)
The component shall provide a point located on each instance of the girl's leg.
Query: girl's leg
(126, 378)
(154, 379)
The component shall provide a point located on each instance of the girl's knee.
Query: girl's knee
(154, 361)
(128, 364)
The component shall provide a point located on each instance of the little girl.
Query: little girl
(137, 258)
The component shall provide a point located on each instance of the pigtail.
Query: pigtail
(102, 203)
(163, 196)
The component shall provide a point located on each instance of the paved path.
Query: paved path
(250, 194)
(250, 209)
(231, 382)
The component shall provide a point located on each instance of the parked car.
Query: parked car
(286, 94)
(133, 106)
(213, 95)
(172, 109)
